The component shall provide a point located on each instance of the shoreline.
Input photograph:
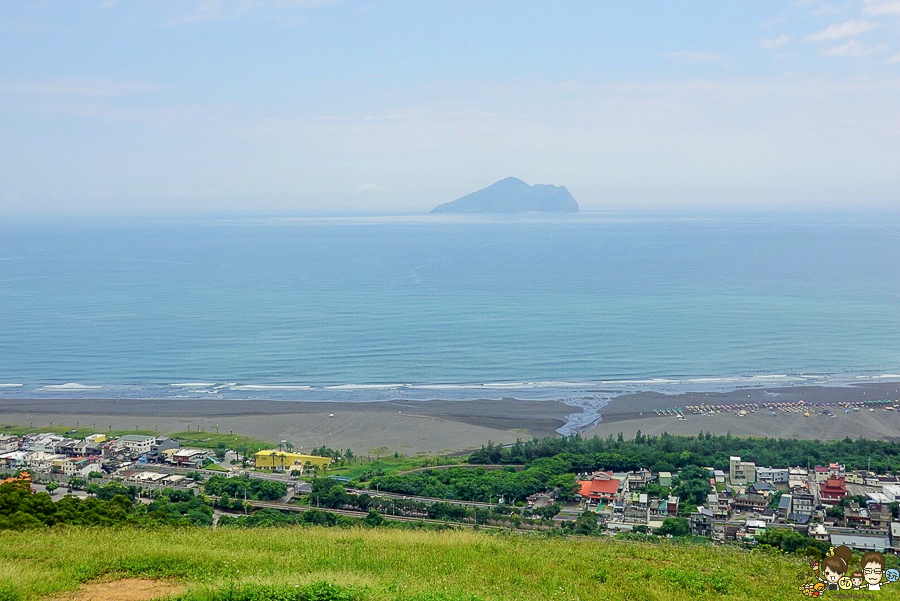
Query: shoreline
(447, 425)
(407, 427)
(630, 413)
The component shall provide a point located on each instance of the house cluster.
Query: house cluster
(748, 499)
(97, 453)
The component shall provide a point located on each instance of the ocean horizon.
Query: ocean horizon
(363, 308)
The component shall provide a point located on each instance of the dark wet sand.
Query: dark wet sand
(436, 426)
(633, 412)
(405, 426)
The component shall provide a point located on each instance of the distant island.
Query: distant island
(512, 195)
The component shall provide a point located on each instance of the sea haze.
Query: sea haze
(445, 306)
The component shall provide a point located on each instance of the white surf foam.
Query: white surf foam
(193, 385)
(11, 385)
(268, 387)
(365, 386)
(69, 386)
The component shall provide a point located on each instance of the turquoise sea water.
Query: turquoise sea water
(443, 306)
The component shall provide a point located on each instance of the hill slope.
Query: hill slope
(391, 564)
(512, 195)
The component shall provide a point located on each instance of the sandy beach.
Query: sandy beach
(632, 412)
(408, 427)
(439, 426)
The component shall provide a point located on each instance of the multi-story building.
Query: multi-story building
(854, 515)
(638, 479)
(42, 462)
(772, 475)
(136, 444)
(78, 466)
(749, 502)
(832, 490)
(802, 502)
(718, 506)
(880, 515)
(9, 443)
(741, 472)
(162, 443)
(784, 507)
(14, 459)
(601, 488)
(702, 522)
(637, 509)
(41, 443)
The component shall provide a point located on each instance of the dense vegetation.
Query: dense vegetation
(113, 505)
(670, 453)
(241, 487)
(484, 485)
(389, 564)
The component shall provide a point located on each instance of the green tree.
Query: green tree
(674, 526)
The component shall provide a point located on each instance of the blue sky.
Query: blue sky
(318, 106)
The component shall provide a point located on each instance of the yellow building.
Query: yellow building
(277, 460)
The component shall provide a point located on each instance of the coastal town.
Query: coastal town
(827, 503)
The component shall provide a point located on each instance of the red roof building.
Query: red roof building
(833, 489)
(602, 487)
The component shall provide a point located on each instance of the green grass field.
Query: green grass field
(74, 431)
(210, 440)
(388, 564)
(202, 440)
(388, 465)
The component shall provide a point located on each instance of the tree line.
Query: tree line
(667, 452)
(113, 505)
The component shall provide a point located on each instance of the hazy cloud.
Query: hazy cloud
(882, 7)
(773, 43)
(694, 58)
(851, 49)
(837, 31)
(782, 18)
(826, 9)
(370, 188)
(894, 60)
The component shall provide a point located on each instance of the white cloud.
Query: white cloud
(851, 49)
(694, 58)
(773, 43)
(882, 7)
(370, 188)
(894, 60)
(774, 21)
(826, 9)
(837, 31)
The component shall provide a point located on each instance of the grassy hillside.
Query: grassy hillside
(391, 564)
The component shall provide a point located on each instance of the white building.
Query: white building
(14, 459)
(81, 468)
(42, 462)
(136, 443)
(42, 443)
(147, 477)
(772, 475)
(892, 492)
(9, 443)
